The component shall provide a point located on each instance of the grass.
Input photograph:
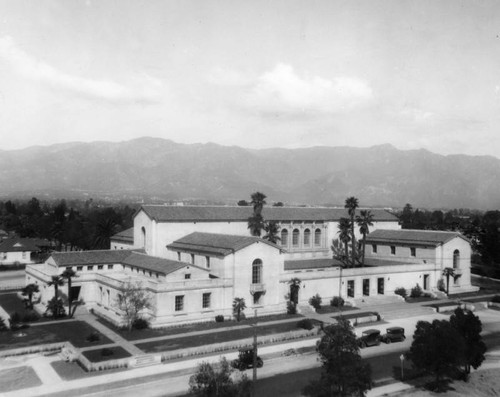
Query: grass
(72, 370)
(215, 337)
(420, 299)
(96, 356)
(333, 309)
(356, 315)
(182, 329)
(75, 332)
(18, 378)
(12, 303)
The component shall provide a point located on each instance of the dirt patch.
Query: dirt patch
(18, 378)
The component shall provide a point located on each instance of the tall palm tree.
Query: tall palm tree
(351, 203)
(29, 290)
(364, 221)
(68, 275)
(57, 281)
(345, 236)
(294, 290)
(105, 229)
(258, 201)
(272, 232)
(448, 272)
(256, 224)
(239, 306)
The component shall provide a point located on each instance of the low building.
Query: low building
(21, 251)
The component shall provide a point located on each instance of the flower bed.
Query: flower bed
(99, 355)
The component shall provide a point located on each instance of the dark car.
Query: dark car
(245, 360)
(394, 334)
(370, 337)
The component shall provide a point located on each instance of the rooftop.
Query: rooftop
(22, 244)
(415, 237)
(126, 236)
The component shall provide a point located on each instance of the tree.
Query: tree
(28, 291)
(258, 201)
(294, 290)
(469, 327)
(272, 232)
(56, 307)
(132, 301)
(406, 217)
(215, 380)
(256, 222)
(239, 306)
(341, 250)
(105, 229)
(364, 221)
(243, 203)
(351, 203)
(68, 275)
(343, 373)
(448, 272)
(56, 281)
(437, 348)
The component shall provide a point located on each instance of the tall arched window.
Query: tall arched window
(456, 259)
(307, 237)
(257, 271)
(284, 238)
(317, 237)
(295, 237)
(143, 232)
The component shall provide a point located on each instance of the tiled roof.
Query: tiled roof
(416, 237)
(22, 244)
(126, 236)
(214, 243)
(323, 263)
(156, 264)
(163, 213)
(89, 257)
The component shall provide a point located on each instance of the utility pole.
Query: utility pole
(254, 377)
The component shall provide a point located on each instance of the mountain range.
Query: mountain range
(148, 168)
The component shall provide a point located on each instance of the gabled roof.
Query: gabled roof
(126, 236)
(164, 213)
(324, 263)
(215, 244)
(412, 237)
(160, 265)
(22, 244)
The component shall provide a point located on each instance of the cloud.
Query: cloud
(417, 115)
(144, 89)
(282, 90)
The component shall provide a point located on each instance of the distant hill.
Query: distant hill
(153, 167)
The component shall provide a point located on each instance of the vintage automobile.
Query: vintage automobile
(370, 337)
(394, 334)
(245, 360)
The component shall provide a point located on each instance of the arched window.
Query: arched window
(295, 237)
(143, 232)
(456, 259)
(307, 237)
(317, 237)
(257, 271)
(284, 238)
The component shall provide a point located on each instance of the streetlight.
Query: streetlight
(402, 358)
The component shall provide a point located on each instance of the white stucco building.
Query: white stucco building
(195, 260)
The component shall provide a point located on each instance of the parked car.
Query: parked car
(394, 334)
(245, 360)
(370, 337)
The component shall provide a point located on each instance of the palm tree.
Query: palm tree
(448, 272)
(351, 203)
(272, 230)
(256, 224)
(294, 291)
(105, 229)
(345, 237)
(239, 306)
(69, 274)
(258, 201)
(57, 281)
(29, 290)
(364, 221)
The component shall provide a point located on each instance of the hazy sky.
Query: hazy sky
(416, 74)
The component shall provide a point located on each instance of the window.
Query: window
(179, 256)
(150, 274)
(317, 237)
(374, 248)
(393, 250)
(206, 300)
(90, 267)
(456, 259)
(187, 276)
(257, 271)
(179, 303)
(79, 268)
(24, 254)
(192, 259)
(100, 267)
(295, 237)
(207, 262)
(110, 267)
(143, 233)
(284, 238)
(307, 237)
(413, 251)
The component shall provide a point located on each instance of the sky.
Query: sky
(257, 74)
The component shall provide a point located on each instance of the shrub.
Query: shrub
(291, 308)
(416, 292)
(315, 301)
(337, 301)
(31, 316)
(305, 323)
(441, 285)
(140, 323)
(401, 292)
(18, 326)
(15, 318)
(93, 337)
(496, 299)
(219, 318)
(3, 325)
(106, 352)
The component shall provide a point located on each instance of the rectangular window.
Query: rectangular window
(413, 251)
(90, 267)
(208, 262)
(79, 268)
(24, 255)
(206, 300)
(192, 259)
(374, 248)
(187, 276)
(179, 256)
(393, 250)
(100, 267)
(110, 267)
(179, 303)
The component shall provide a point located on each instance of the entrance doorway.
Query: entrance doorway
(426, 281)
(350, 288)
(380, 286)
(366, 287)
(74, 293)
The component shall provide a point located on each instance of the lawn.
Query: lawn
(96, 355)
(215, 337)
(350, 316)
(12, 303)
(332, 309)
(182, 329)
(18, 378)
(75, 332)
